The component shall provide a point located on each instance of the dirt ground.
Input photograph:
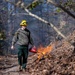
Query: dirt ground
(60, 61)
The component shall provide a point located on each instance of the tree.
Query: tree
(39, 18)
(3, 26)
(21, 5)
(63, 7)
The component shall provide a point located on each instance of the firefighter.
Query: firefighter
(22, 38)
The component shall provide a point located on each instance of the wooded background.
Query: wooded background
(60, 13)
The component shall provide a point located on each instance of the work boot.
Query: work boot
(24, 70)
(20, 68)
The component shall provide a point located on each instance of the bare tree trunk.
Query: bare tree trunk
(64, 9)
(39, 18)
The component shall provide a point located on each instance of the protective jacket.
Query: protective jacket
(22, 37)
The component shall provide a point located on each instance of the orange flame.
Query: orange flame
(42, 51)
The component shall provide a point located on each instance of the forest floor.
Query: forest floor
(9, 65)
(60, 61)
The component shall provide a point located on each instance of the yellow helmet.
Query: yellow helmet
(23, 23)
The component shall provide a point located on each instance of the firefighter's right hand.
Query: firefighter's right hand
(12, 47)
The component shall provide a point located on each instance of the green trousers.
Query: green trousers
(22, 55)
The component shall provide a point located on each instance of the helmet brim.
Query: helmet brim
(23, 25)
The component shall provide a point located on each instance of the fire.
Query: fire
(42, 51)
